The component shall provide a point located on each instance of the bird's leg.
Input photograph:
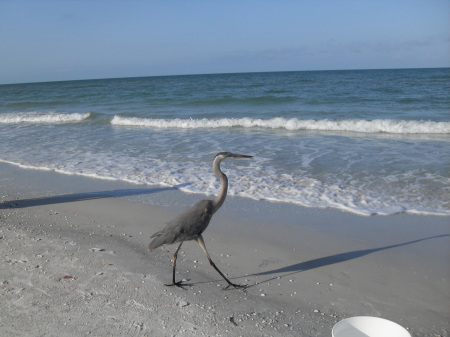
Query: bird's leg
(230, 284)
(174, 264)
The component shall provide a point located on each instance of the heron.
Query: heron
(190, 224)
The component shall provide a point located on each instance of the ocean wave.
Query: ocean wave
(294, 124)
(45, 118)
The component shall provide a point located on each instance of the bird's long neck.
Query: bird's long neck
(219, 200)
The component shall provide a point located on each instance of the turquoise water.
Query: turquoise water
(367, 142)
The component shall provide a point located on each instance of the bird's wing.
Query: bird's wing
(187, 226)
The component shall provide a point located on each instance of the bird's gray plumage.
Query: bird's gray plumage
(187, 226)
(190, 224)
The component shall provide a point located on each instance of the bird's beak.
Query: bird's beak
(234, 155)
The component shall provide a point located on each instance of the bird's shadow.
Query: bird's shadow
(328, 260)
(65, 198)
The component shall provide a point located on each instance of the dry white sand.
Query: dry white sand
(74, 263)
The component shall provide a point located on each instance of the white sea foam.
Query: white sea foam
(44, 118)
(60, 169)
(304, 191)
(294, 124)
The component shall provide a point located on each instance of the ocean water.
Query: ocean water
(367, 142)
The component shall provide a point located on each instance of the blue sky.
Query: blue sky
(65, 40)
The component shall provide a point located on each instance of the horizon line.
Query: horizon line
(223, 73)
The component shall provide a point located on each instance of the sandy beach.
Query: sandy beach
(74, 262)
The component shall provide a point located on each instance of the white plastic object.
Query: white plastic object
(367, 326)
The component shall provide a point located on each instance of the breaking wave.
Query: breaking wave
(294, 124)
(43, 118)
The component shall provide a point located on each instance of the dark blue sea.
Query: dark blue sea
(363, 141)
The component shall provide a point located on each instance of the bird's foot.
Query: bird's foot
(235, 286)
(178, 284)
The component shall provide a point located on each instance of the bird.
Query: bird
(191, 223)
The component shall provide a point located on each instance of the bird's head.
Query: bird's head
(224, 155)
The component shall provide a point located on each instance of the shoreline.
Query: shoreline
(306, 268)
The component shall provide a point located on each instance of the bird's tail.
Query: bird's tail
(155, 243)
